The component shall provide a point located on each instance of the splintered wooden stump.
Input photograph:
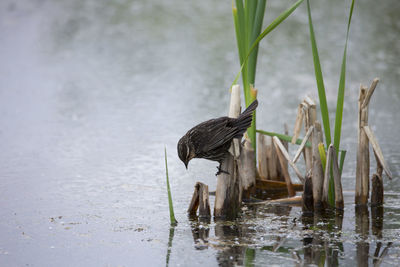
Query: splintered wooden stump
(317, 170)
(377, 190)
(200, 200)
(280, 150)
(228, 192)
(247, 168)
(268, 164)
(362, 171)
(262, 157)
(308, 201)
(309, 119)
(227, 195)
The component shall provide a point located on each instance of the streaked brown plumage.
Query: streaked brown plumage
(211, 139)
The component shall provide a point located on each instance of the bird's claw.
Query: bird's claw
(220, 171)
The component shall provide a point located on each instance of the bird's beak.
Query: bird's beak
(186, 165)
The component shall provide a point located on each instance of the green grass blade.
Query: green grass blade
(319, 79)
(240, 44)
(341, 163)
(331, 191)
(238, 11)
(171, 207)
(267, 30)
(257, 25)
(342, 81)
(283, 137)
(253, 24)
(322, 155)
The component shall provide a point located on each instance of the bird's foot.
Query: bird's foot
(220, 171)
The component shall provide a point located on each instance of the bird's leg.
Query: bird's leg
(220, 170)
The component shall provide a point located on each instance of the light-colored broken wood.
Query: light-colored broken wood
(246, 166)
(303, 143)
(227, 194)
(370, 91)
(297, 125)
(200, 200)
(285, 173)
(362, 171)
(234, 111)
(262, 157)
(286, 145)
(279, 147)
(310, 116)
(272, 161)
(296, 200)
(377, 150)
(317, 170)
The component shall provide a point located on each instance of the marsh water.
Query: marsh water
(92, 91)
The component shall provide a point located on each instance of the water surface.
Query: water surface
(92, 91)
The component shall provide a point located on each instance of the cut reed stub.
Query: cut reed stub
(362, 171)
(247, 168)
(339, 203)
(317, 170)
(377, 191)
(200, 201)
(307, 199)
(366, 136)
(228, 191)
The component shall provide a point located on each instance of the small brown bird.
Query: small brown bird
(211, 139)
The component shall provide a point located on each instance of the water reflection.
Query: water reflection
(270, 233)
(170, 239)
(91, 91)
(234, 249)
(319, 249)
(200, 232)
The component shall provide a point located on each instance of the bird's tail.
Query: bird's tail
(244, 120)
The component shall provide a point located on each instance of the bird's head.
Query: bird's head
(185, 150)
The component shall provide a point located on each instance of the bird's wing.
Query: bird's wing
(215, 133)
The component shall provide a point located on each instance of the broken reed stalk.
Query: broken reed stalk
(297, 125)
(286, 145)
(279, 147)
(289, 185)
(247, 168)
(263, 170)
(227, 195)
(267, 159)
(307, 198)
(171, 207)
(377, 150)
(377, 181)
(200, 200)
(332, 163)
(317, 171)
(377, 190)
(309, 119)
(365, 135)
(339, 203)
(303, 143)
(362, 172)
(325, 189)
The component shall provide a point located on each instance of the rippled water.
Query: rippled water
(92, 91)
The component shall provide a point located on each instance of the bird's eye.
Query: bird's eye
(182, 151)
